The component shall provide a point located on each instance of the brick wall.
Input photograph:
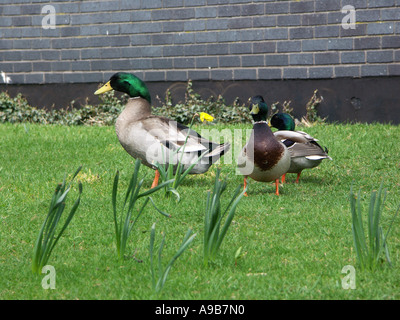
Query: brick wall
(176, 40)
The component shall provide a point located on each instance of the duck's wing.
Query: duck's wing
(174, 135)
(310, 150)
(301, 144)
(291, 135)
(195, 141)
(307, 136)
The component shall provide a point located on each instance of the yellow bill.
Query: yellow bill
(255, 109)
(105, 88)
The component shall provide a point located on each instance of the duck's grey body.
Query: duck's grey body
(156, 139)
(304, 155)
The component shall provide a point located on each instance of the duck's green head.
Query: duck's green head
(282, 121)
(258, 108)
(127, 83)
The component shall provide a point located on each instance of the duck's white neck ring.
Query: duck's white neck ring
(263, 121)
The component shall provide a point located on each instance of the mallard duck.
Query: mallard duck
(153, 138)
(264, 157)
(303, 155)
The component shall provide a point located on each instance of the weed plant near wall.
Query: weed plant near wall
(183, 112)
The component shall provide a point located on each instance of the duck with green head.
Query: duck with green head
(153, 138)
(305, 155)
(264, 158)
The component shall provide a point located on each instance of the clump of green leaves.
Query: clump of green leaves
(214, 215)
(18, 110)
(124, 224)
(182, 112)
(370, 246)
(47, 239)
(158, 280)
(103, 114)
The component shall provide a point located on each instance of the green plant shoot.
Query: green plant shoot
(213, 233)
(47, 239)
(123, 224)
(158, 280)
(372, 244)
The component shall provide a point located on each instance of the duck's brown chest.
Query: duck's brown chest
(266, 149)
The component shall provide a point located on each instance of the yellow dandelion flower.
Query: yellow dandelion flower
(206, 117)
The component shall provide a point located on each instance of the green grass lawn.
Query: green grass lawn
(293, 246)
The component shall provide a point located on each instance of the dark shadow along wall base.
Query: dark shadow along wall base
(355, 100)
